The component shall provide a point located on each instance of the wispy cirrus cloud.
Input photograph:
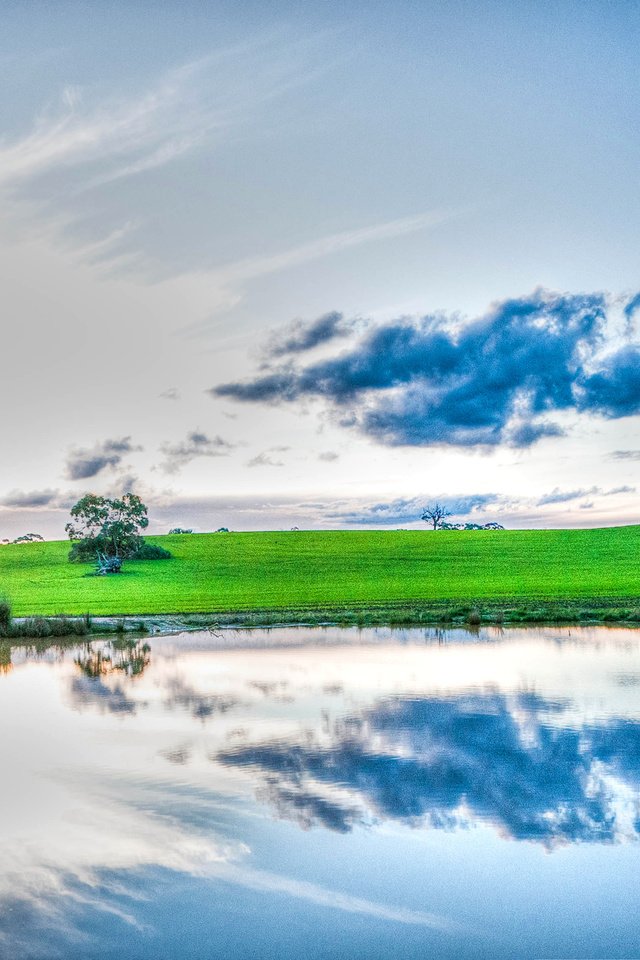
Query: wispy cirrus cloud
(56, 171)
(251, 268)
(123, 136)
(300, 336)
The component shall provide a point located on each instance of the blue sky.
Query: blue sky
(182, 186)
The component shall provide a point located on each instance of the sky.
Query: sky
(319, 265)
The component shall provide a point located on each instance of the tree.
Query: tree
(107, 530)
(435, 513)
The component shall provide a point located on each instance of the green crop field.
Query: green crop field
(338, 569)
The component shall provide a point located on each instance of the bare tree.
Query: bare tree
(435, 513)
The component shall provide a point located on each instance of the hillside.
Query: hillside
(333, 570)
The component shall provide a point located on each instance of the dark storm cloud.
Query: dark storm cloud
(449, 761)
(85, 463)
(614, 391)
(304, 336)
(496, 380)
(196, 445)
(408, 511)
(36, 498)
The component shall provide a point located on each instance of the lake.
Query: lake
(323, 793)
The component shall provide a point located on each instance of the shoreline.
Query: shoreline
(604, 611)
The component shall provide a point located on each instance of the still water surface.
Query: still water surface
(323, 793)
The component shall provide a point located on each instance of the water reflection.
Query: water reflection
(121, 655)
(446, 762)
(137, 768)
(104, 667)
(201, 706)
(5, 657)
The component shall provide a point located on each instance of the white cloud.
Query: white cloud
(253, 267)
(109, 131)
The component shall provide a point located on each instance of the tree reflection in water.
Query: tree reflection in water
(106, 669)
(5, 657)
(124, 655)
(121, 655)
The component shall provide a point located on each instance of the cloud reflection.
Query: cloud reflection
(201, 706)
(454, 761)
(112, 812)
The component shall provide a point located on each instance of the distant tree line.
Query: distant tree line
(471, 526)
(26, 538)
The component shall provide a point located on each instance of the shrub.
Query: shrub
(84, 551)
(40, 628)
(151, 551)
(5, 618)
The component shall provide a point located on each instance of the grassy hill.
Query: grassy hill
(334, 570)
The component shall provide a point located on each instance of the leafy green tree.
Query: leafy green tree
(108, 531)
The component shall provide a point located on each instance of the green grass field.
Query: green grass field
(331, 570)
